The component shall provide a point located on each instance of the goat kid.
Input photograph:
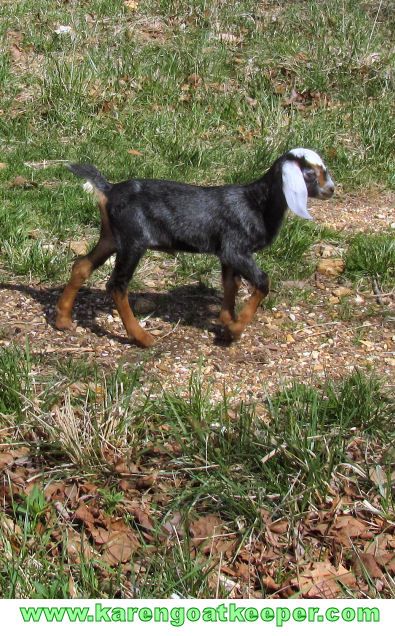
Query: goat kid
(230, 221)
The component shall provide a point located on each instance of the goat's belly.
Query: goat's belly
(178, 246)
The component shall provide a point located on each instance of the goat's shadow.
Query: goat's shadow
(189, 305)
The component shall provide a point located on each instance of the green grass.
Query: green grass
(202, 108)
(15, 381)
(197, 108)
(372, 256)
(209, 456)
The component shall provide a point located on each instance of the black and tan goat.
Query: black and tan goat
(230, 221)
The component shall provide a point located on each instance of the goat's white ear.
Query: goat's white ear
(294, 189)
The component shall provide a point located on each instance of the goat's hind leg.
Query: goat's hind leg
(125, 266)
(81, 271)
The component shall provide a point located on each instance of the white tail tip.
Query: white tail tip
(88, 187)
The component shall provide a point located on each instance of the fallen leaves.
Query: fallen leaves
(322, 580)
(117, 540)
(205, 528)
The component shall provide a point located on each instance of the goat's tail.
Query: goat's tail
(95, 182)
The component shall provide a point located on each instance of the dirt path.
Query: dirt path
(315, 338)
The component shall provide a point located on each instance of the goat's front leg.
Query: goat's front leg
(231, 283)
(260, 281)
(125, 266)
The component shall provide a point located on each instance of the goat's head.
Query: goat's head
(304, 175)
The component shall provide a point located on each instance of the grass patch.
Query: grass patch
(372, 255)
(15, 380)
(35, 259)
(179, 460)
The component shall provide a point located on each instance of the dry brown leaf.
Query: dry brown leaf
(142, 517)
(3, 165)
(135, 153)
(322, 580)
(78, 548)
(84, 514)
(205, 528)
(146, 481)
(365, 561)
(6, 459)
(346, 528)
(120, 547)
(279, 527)
(99, 534)
(270, 583)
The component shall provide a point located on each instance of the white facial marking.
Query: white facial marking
(309, 155)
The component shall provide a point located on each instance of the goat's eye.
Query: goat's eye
(309, 174)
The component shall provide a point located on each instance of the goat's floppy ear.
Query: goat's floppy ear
(294, 189)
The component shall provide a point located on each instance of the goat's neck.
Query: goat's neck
(269, 201)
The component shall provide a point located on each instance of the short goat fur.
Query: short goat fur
(230, 221)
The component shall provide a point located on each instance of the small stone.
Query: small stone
(292, 317)
(144, 306)
(315, 355)
(326, 251)
(330, 266)
(79, 248)
(342, 291)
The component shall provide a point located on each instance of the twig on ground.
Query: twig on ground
(377, 291)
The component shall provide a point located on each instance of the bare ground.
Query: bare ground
(318, 337)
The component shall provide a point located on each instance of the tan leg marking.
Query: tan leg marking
(247, 313)
(83, 268)
(231, 284)
(133, 329)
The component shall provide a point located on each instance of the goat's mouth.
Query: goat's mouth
(326, 194)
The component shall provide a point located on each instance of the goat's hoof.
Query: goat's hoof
(226, 317)
(235, 329)
(64, 323)
(144, 339)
